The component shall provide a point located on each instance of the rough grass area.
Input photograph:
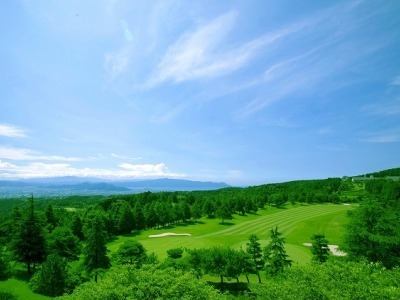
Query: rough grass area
(19, 289)
(297, 224)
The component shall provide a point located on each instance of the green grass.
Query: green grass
(20, 290)
(297, 224)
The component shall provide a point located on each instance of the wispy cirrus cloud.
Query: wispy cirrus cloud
(318, 67)
(12, 131)
(386, 136)
(388, 108)
(124, 171)
(202, 53)
(27, 154)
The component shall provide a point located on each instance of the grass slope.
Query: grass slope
(20, 290)
(297, 224)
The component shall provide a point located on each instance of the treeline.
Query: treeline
(384, 173)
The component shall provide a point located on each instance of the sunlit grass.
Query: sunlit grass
(297, 224)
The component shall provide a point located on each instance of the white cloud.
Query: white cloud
(27, 154)
(11, 131)
(39, 170)
(197, 54)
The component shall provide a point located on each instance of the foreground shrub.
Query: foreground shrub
(150, 282)
(335, 280)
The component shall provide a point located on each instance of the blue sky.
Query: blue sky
(245, 92)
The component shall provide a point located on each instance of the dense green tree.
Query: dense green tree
(125, 219)
(335, 279)
(138, 217)
(320, 249)
(373, 232)
(196, 210)
(51, 220)
(275, 256)
(131, 252)
(50, 280)
(63, 242)
(208, 208)
(95, 250)
(77, 227)
(224, 212)
(29, 242)
(175, 253)
(256, 254)
(4, 265)
(185, 211)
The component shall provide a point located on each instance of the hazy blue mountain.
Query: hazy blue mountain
(89, 186)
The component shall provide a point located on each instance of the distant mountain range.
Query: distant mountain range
(61, 186)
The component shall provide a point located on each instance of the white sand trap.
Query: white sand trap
(168, 234)
(332, 248)
(347, 204)
(335, 251)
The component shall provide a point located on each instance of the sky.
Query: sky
(245, 92)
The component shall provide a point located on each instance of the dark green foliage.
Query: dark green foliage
(196, 210)
(95, 250)
(320, 249)
(138, 217)
(5, 271)
(275, 257)
(332, 280)
(51, 220)
(28, 242)
(175, 253)
(125, 219)
(51, 278)
(208, 208)
(373, 232)
(131, 252)
(77, 227)
(224, 211)
(149, 282)
(256, 255)
(63, 242)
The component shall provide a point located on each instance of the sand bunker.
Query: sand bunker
(168, 234)
(332, 248)
(347, 204)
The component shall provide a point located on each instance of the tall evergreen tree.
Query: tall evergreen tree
(320, 249)
(29, 242)
(51, 219)
(125, 220)
(275, 256)
(95, 251)
(77, 228)
(255, 251)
